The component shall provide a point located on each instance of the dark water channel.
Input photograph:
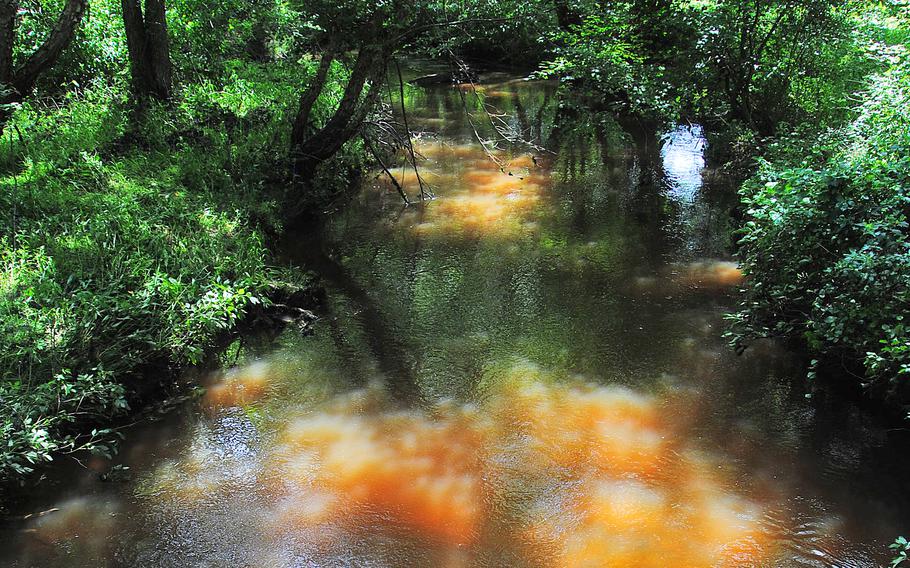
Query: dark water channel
(528, 370)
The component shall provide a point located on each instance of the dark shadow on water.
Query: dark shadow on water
(389, 350)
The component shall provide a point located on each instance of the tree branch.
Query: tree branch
(309, 97)
(46, 55)
(8, 9)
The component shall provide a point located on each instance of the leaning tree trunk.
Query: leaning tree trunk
(147, 43)
(346, 121)
(308, 99)
(17, 83)
(8, 9)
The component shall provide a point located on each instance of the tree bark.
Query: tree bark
(346, 121)
(158, 48)
(49, 51)
(16, 84)
(134, 26)
(308, 99)
(8, 9)
(147, 44)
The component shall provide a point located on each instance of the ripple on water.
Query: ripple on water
(567, 474)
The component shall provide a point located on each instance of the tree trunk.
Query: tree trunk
(566, 17)
(16, 84)
(8, 9)
(345, 122)
(158, 49)
(147, 43)
(47, 54)
(308, 99)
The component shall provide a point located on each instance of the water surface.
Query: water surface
(528, 370)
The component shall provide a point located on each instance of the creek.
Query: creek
(527, 370)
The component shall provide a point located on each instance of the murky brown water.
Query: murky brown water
(526, 371)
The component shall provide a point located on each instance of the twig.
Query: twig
(372, 149)
(407, 132)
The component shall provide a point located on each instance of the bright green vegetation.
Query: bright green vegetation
(826, 243)
(817, 93)
(152, 152)
(131, 242)
(901, 548)
(111, 265)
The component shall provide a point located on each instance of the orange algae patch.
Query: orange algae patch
(493, 203)
(525, 161)
(408, 178)
(711, 274)
(481, 176)
(605, 429)
(632, 495)
(505, 184)
(630, 523)
(239, 387)
(434, 149)
(489, 214)
(423, 473)
(615, 484)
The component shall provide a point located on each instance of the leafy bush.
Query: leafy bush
(827, 246)
(901, 548)
(753, 64)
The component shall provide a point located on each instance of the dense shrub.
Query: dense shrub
(740, 64)
(827, 246)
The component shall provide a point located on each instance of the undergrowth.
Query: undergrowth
(130, 242)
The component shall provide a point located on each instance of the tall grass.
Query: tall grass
(129, 244)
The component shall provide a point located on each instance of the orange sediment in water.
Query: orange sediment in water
(435, 149)
(484, 200)
(481, 176)
(610, 477)
(633, 495)
(631, 523)
(711, 274)
(407, 178)
(478, 213)
(609, 430)
(424, 473)
(239, 387)
(524, 161)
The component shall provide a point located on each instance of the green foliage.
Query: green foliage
(207, 36)
(37, 416)
(827, 246)
(777, 62)
(512, 31)
(901, 548)
(617, 51)
(118, 257)
(96, 53)
(759, 63)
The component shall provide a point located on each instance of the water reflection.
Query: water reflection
(683, 157)
(606, 465)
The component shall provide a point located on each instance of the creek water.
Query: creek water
(527, 370)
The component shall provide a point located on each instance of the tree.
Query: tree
(16, 83)
(758, 48)
(375, 32)
(352, 110)
(566, 16)
(147, 41)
